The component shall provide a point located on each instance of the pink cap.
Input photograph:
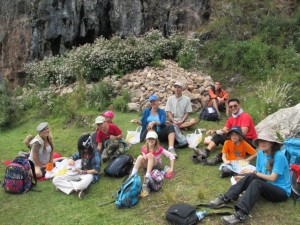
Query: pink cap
(109, 114)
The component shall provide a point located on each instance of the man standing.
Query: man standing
(178, 108)
(219, 98)
(238, 118)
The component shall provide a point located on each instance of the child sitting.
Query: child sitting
(151, 159)
(235, 148)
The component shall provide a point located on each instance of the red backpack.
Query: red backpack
(19, 175)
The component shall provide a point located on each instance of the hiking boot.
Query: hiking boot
(219, 201)
(201, 153)
(237, 217)
(81, 194)
(173, 151)
(195, 159)
(216, 160)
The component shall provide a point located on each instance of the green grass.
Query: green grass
(191, 184)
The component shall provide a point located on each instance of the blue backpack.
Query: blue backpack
(291, 149)
(128, 195)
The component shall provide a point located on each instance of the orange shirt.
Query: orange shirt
(233, 152)
(220, 93)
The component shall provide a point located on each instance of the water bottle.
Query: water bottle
(201, 214)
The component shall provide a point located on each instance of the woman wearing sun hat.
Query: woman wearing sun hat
(41, 151)
(271, 180)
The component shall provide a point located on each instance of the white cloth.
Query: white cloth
(178, 106)
(43, 154)
(67, 183)
(235, 166)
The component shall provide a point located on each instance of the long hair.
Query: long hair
(156, 146)
(275, 147)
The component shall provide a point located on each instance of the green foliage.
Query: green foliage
(273, 95)
(120, 102)
(92, 62)
(189, 55)
(100, 95)
(9, 107)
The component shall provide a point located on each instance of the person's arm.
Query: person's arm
(96, 164)
(99, 146)
(35, 154)
(251, 157)
(212, 94)
(272, 177)
(245, 130)
(170, 116)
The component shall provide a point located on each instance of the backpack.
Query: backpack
(291, 149)
(120, 166)
(209, 113)
(185, 214)
(156, 181)
(18, 178)
(295, 182)
(128, 194)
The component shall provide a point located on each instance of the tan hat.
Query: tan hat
(152, 134)
(41, 126)
(178, 83)
(99, 119)
(266, 137)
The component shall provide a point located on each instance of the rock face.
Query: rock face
(284, 121)
(35, 29)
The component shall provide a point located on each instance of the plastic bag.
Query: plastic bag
(133, 137)
(194, 139)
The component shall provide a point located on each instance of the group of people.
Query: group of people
(270, 179)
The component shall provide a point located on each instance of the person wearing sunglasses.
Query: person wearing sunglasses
(238, 118)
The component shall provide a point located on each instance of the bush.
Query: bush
(120, 103)
(273, 95)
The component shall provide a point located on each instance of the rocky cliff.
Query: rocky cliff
(33, 29)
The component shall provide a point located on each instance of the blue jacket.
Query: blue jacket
(161, 114)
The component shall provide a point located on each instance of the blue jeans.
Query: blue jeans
(254, 188)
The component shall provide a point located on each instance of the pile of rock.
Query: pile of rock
(159, 81)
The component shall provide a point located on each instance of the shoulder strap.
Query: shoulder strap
(33, 171)
(214, 207)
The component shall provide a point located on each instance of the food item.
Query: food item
(243, 163)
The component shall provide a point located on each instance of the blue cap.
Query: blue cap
(236, 129)
(153, 97)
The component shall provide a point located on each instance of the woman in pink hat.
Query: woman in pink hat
(271, 180)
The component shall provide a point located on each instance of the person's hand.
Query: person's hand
(112, 137)
(170, 170)
(246, 171)
(219, 132)
(227, 162)
(210, 132)
(71, 162)
(151, 125)
(134, 121)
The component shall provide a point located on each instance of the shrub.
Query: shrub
(120, 103)
(273, 95)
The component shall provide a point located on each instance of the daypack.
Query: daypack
(120, 166)
(156, 181)
(291, 149)
(295, 182)
(18, 178)
(209, 113)
(185, 214)
(128, 194)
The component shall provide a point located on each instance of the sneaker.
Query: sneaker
(202, 153)
(81, 194)
(216, 160)
(182, 145)
(225, 172)
(237, 217)
(173, 151)
(219, 201)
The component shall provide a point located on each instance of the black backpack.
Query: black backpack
(185, 214)
(209, 113)
(120, 166)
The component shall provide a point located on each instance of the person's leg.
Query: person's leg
(151, 162)
(168, 133)
(188, 123)
(83, 183)
(62, 183)
(216, 105)
(139, 162)
(215, 141)
(38, 172)
(256, 189)
(227, 108)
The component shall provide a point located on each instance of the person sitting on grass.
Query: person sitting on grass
(78, 180)
(109, 116)
(270, 180)
(219, 98)
(235, 148)
(151, 159)
(42, 149)
(154, 118)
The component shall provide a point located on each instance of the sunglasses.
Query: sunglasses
(233, 106)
